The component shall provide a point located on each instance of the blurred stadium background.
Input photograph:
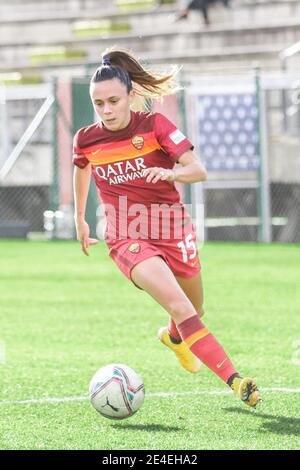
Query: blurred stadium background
(240, 105)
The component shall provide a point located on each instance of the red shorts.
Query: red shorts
(181, 257)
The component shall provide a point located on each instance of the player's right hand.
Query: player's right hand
(83, 236)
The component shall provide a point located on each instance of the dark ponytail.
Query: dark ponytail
(121, 64)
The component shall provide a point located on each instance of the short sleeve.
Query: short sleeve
(78, 158)
(170, 138)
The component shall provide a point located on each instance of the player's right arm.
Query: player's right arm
(81, 184)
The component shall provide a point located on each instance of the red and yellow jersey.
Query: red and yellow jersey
(118, 159)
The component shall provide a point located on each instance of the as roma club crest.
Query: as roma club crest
(138, 142)
(134, 248)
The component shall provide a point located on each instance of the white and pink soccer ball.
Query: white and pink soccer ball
(116, 391)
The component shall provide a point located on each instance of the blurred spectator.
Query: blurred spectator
(202, 6)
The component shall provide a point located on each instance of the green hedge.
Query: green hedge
(55, 54)
(129, 5)
(95, 27)
(17, 78)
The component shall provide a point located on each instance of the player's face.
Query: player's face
(112, 103)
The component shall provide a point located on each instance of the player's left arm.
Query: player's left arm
(190, 171)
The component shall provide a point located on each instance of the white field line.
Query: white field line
(158, 394)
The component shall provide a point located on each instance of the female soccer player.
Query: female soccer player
(150, 236)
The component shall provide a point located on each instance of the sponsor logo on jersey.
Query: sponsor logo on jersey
(121, 172)
(134, 247)
(138, 142)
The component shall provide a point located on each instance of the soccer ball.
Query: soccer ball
(116, 391)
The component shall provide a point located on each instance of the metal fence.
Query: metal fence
(26, 172)
(37, 124)
(246, 130)
(282, 94)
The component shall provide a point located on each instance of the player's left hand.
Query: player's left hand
(155, 174)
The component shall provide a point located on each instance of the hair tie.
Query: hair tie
(106, 61)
